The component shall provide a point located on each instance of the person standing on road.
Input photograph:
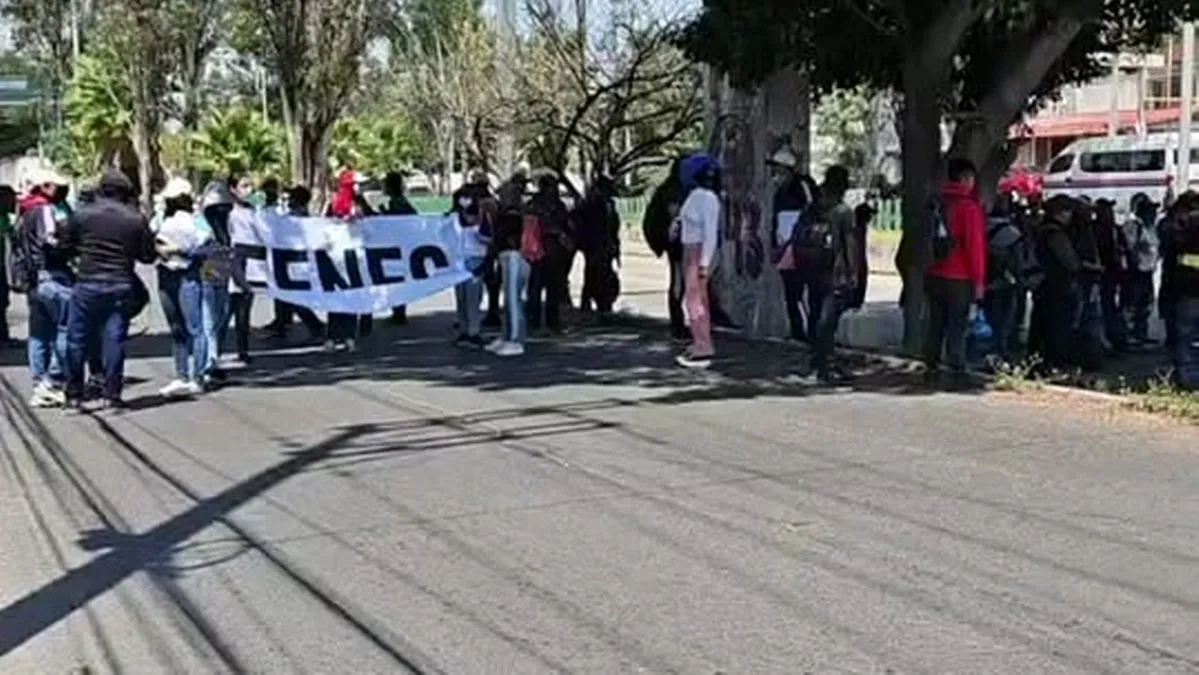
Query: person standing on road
(514, 272)
(656, 226)
(1180, 290)
(794, 200)
(699, 228)
(348, 204)
(597, 231)
(397, 205)
(180, 289)
(840, 277)
(242, 233)
(218, 272)
(110, 236)
(1140, 231)
(957, 278)
(547, 280)
(1055, 300)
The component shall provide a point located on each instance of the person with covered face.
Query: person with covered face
(699, 229)
(180, 289)
(1057, 299)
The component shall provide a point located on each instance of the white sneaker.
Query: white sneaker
(495, 345)
(510, 349)
(330, 346)
(351, 346)
(46, 396)
(192, 388)
(174, 389)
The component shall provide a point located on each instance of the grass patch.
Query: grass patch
(1018, 376)
(1163, 398)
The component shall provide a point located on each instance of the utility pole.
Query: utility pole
(1182, 172)
(505, 58)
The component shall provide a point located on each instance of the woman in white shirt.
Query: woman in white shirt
(699, 228)
(180, 243)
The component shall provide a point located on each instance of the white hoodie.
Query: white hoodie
(181, 231)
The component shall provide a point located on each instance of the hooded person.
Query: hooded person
(597, 232)
(1057, 297)
(656, 227)
(699, 231)
(547, 277)
(217, 272)
(109, 236)
(794, 203)
(180, 290)
(397, 205)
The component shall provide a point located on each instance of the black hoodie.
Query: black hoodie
(109, 235)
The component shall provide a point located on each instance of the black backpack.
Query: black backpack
(943, 241)
(812, 242)
(25, 248)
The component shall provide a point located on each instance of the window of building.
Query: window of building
(1061, 164)
(1122, 161)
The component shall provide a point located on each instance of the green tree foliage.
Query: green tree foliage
(376, 144)
(98, 119)
(845, 117)
(238, 138)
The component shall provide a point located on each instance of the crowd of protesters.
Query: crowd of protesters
(77, 267)
(1087, 274)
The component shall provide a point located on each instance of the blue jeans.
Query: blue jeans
(468, 297)
(181, 295)
(1186, 342)
(214, 315)
(514, 271)
(103, 309)
(47, 344)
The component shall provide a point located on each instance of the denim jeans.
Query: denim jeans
(514, 271)
(467, 298)
(181, 295)
(1186, 342)
(803, 314)
(215, 317)
(948, 321)
(47, 344)
(835, 302)
(99, 308)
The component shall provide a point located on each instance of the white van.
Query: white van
(1120, 167)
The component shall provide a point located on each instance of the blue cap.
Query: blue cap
(694, 167)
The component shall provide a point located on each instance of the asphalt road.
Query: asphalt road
(588, 509)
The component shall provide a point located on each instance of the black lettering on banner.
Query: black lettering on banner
(280, 259)
(375, 257)
(252, 252)
(424, 255)
(331, 279)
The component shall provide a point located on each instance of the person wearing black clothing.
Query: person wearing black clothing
(397, 205)
(1180, 289)
(1005, 277)
(796, 195)
(109, 236)
(1114, 255)
(597, 232)
(840, 276)
(1055, 300)
(659, 214)
(547, 278)
(1088, 317)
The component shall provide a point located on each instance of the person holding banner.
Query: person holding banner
(468, 295)
(242, 233)
(514, 275)
(397, 205)
(218, 273)
(298, 199)
(180, 289)
(345, 329)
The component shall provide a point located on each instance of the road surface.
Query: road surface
(588, 509)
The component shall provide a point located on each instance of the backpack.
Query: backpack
(532, 234)
(812, 241)
(26, 250)
(943, 241)
(1004, 243)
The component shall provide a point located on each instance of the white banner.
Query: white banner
(362, 266)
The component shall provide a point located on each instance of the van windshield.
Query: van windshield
(1113, 161)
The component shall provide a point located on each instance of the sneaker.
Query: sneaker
(174, 389)
(94, 387)
(113, 404)
(462, 340)
(688, 360)
(495, 345)
(193, 388)
(510, 349)
(45, 396)
(476, 341)
(330, 346)
(833, 376)
(351, 346)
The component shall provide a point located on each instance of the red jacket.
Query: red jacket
(968, 227)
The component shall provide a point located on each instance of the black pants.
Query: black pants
(240, 305)
(948, 320)
(824, 333)
(1111, 299)
(1001, 305)
(674, 299)
(1052, 335)
(493, 281)
(285, 313)
(344, 327)
(1138, 295)
(804, 294)
(546, 286)
(595, 276)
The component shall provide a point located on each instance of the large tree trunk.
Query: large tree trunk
(309, 154)
(748, 286)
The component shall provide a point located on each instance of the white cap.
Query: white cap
(46, 176)
(784, 157)
(176, 187)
